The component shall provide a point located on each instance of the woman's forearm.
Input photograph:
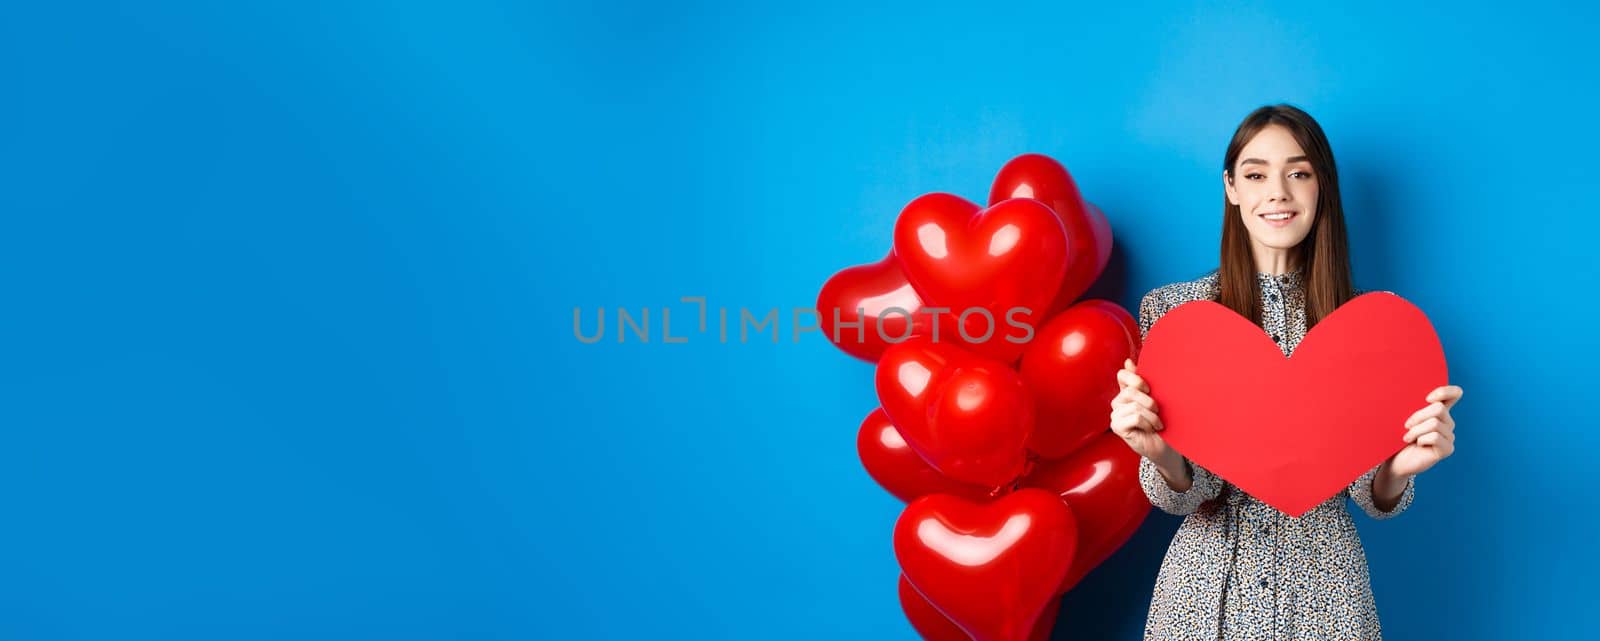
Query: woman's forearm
(1387, 488)
(1175, 469)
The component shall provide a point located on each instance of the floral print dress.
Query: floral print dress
(1238, 568)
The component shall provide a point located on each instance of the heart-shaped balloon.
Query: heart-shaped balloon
(1071, 371)
(996, 269)
(933, 625)
(1041, 178)
(1292, 432)
(967, 416)
(1100, 483)
(891, 462)
(992, 569)
(927, 620)
(865, 308)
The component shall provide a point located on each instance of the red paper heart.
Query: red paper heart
(1041, 178)
(876, 307)
(933, 625)
(984, 264)
(992, 569)
(1070, 368)
(967, 416)
(889, 459)
(1291, 432)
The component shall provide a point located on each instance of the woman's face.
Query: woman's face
(1272, 176)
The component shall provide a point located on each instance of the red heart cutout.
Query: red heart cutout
(984, 261)
(890, 461)
(876, 307)
(967, 416)
(1070, 368)
(1291, 432)
(1041, 178)
(1100, 483)
(992, 569)
(933, 625)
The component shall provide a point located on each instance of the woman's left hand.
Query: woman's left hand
(1431, 433)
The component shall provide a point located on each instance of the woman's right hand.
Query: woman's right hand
(1134, 415)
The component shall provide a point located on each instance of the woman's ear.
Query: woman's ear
(1227, 187)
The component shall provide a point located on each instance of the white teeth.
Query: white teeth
(1280, 216)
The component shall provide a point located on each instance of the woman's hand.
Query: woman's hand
(1431, 434)
(1134, 415)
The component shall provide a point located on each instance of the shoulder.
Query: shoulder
(1175, 294)
(1160, 300)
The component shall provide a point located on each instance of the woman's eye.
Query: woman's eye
(1252, 176)
(1302, 174)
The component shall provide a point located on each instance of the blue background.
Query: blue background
(289, 290)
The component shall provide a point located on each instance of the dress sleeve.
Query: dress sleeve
(1151, 308)
(1361, 491)
(1206, 485)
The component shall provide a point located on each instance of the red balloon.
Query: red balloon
(895, 466)
(876, 307)
(967, 416)
(992, 569)
(905, 378)
(978, 424)
(1046, 625)
(1071, 371)
(928, 621)
(933, 625)
(1100, 483)
(999, 267)
(1041, 178)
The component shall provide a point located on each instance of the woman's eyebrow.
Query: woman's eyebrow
(1286, 161)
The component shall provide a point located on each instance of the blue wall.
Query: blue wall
(288, 345)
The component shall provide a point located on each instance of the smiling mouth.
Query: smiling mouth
(1279, 216)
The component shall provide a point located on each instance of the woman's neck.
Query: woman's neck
(1276, 262)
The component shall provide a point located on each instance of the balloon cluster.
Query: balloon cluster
(995, 385)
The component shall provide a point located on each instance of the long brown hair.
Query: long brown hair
(1324, 255)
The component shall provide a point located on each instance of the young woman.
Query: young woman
(1238, 568)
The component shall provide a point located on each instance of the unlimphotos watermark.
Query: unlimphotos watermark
(749, 323)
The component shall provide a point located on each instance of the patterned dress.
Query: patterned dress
(1238, 568)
